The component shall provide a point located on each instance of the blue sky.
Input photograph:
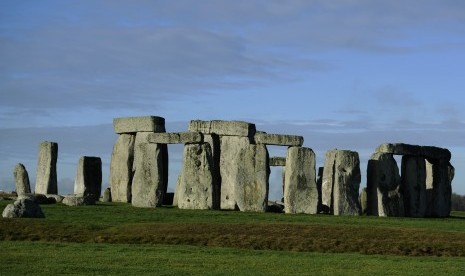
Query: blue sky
(344, 74)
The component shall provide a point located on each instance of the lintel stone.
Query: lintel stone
(414, 150)
(175, 138)
(279, 139)
(225, 128)
(139, 124)
(278, 161)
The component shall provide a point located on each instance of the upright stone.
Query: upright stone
(107, 195)
(251, 189)
(414, 185)
(214, 141)
(46, 177)
(121, 168)
(300, 189)
(319, 183)
(89, 177)
(363, 200)
(327, 182)
(21, 180)
(346, 184)
(383, 185)
(195, 189)
(443, 174)
(148, 185)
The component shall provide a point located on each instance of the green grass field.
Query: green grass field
(120, 239)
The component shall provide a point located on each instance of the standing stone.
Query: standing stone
(363, 200)
(346, 184)
(230, 163)
(214, 141)
(148, 185)
(327, 182)
(46, 177)
(319, 183)
(251, 189)
(121, 168)
(107, 195)
(195, 189)
(89, 177)
(176, 190)
(443, 174)
(383, 184)
(21, 180)
(300, 189)
(429, 188)
(414, 185)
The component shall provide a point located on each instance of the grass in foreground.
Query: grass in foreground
(39, 258)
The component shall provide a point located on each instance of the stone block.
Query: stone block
(121, 165)
(414, 185)
(21, 180)
(278, 161)
(139, 124)
(414, 150)
(300, 189)
(346, 185)
(225, 128)
(23, 208)
(443, 174)
(175, 138)
(88, 180)
(279, 139)
(107, 195)
(327, 181)
(46, 177)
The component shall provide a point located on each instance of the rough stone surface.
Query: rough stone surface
(383, 185)
(278, 161)
(251, 189)
(139, 124)
(176, 138)
(414, 185)
(279, 139)
(148, 184)
(414, 150)
(176, 190)
(21, 180)
(195, 189)
(443, 174)
(107, 195)
(226, 128)
(346, 184)
(121, 168)
(23, 208)
(363, 200)
(300, 190)
(78, 200)
(88, 180)
(327, 181)
(319, 183)
(46, 177)
(57, 198)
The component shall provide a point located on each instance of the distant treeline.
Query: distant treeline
(458, 202)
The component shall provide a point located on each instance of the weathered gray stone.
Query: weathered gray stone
(251, 189)
(226, 128)
(383, 184)
(107, 195)
(175, 138)
(414, 150)
(327, 182)
(214, 141)
(138, 124)
(57, 198)
(176, 190)
(279, 139)
(443, 174)
(46, 177)
(121, 168)
(148, 184)
(346, 185)
(88, 180)
(78, 200)
(363, 200)
(278, 161)
(414, 185)
(23, 208)
(230, 161)
(300, 190)
(195, 189)
(21, 180)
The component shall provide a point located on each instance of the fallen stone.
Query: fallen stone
(88, 180)
(23, 208)
(414, 150)
(139, 124)
(21, 180)
(275, 207)
(46, 176)
(57, 198)
(278, 161)
(175, 138)
(195, 190)
(225, 128)
(121, 168)
(279, 139)
(383, 186)
(346, 185)
(414, 185)
(107, 195)
(300, 190)
(78, 200)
